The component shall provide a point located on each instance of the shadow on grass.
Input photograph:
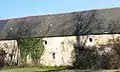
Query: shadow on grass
(69, 70)
(78, 70)
(53, 70)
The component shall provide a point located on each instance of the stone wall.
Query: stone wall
(64, 46)
(58, 50)
(10, 46)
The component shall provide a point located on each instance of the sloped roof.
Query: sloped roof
(99, 21)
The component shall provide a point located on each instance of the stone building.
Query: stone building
(58, 50)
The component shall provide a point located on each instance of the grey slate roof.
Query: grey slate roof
(99, 21)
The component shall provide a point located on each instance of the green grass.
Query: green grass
(53, 69)
(31, 69)
(21, 70)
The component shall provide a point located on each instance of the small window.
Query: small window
(53, 55)
(45, 42)
(90, 39)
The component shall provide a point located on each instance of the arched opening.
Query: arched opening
(45, 42)
(90, 39)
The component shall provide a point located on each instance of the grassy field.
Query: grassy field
(21, 70)
(31, 69)
(53, 70)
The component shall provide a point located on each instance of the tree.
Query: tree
(85, 23)
(2, 58)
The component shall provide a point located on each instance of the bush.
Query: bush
(112, 59)
(86, 58)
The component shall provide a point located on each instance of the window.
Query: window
(45, 42)
(90, 39)
(53, 55)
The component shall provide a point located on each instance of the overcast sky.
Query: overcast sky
(21, 8)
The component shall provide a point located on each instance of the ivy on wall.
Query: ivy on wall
(31, 46)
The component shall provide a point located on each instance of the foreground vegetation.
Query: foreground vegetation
(54, 70)
(33, 69)
(33, 47)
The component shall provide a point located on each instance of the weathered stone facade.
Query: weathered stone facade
(62, 47)
(10, 46)
(58, 50)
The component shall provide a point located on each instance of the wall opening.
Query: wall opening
(45, 42)
(90, 39)
(53, 55)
